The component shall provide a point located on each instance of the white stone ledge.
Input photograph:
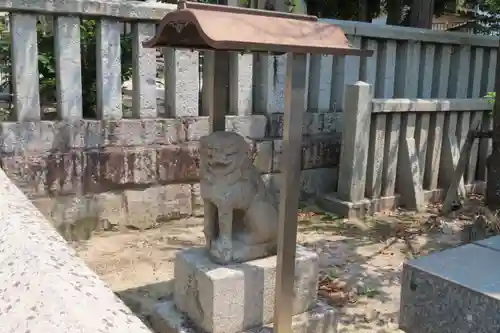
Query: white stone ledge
(371, 30)
(124, 10)
(45, 286)
(430, 105)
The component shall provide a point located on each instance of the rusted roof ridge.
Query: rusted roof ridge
(248, 31)
(242, 10)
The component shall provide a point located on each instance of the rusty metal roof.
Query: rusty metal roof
(215, 27)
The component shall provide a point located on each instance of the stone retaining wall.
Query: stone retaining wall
(95, 174)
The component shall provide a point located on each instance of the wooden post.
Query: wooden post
(295, 90)
(493, 162)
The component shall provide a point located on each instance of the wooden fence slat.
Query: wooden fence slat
(263, 78)
(233, 83)
(109, 83)
(442, 72)
(346, 71)
(433, 160)
(426, 71)
(391, 153)
(377, 130)
(240, 84)
(143, 73)
(422, 141)
(448, 162)
(477, 73)
(368, 71)
(477, 118)
(68, 67)
(182, 83)
(408, 125)
(320, 82)
(437, 121)
(24, 50)
(207, 91)
(459, 73)
(463, 130)
(386, 77)
(408, 70)
(490, 86)
(425, 91)
(484, 147)
(386, 73)
(376, 156)
(463, 127)
(410, 181)
(407, 78)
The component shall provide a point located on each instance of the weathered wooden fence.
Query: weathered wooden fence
(407, 63)
(405, 151)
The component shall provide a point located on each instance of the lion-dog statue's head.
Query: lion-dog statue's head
(223, 157)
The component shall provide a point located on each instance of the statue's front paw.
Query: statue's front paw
(222, 250)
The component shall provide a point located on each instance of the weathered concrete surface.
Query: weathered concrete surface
(60, 158)
(454, 291)
(45, 286)
(320, 319)
(91, 174)
(238, 297)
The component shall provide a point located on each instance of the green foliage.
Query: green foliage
(349, 10)
(492, 5)
(47, 64)
(491, 97)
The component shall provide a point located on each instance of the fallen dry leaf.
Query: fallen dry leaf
(335, 292)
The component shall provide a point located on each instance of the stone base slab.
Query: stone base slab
(234, 298)
(322, 318)
(453, 291)
(370, 206)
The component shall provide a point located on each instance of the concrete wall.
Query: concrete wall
(89, 174)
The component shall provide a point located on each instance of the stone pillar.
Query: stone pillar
(355, 142)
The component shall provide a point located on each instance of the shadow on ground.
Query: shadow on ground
(364, 257)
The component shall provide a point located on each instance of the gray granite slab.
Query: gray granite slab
(455, 291)
(44, 286)
(492, 243)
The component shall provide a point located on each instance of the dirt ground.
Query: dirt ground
(360, 262)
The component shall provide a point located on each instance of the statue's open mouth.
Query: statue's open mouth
(220, 165)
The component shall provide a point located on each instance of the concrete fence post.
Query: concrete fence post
(355, 142)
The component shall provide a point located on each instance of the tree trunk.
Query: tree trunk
(394, 12)
(421, 14)
(493, 182)
(363, 14)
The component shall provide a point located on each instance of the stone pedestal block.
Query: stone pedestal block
(321, 318)
(238, 297)
(453, 291)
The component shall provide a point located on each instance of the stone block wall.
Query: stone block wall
(94, 174)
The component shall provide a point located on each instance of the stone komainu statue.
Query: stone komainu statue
(241, 212)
